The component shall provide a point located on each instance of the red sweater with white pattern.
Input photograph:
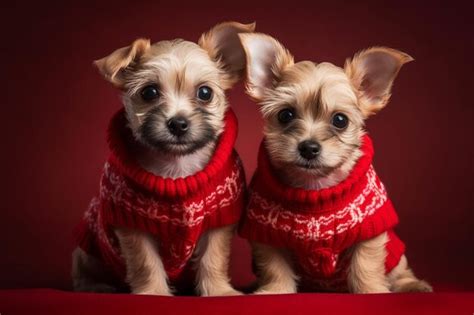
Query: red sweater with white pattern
(175, 212)
(320, 226)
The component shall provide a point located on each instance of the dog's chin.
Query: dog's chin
(313, 168)
(177, 148)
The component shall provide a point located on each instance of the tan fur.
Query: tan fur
(367, 268)
(266, 61)
(402, 279)
(229, 51)
(177, 69)
(315, 93)
(111, 66)
(168, 64)
(365, 70)
(275, 273)
(212, 263)
(145, 271)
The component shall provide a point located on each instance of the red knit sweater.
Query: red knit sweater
(319, 226)
(177, 212)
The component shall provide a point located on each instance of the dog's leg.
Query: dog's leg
(367, 267)
(402, 279)
(145, 271)
(212, 263)
(275, 273)
(89, 274)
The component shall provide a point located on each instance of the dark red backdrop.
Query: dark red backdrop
(55, 108)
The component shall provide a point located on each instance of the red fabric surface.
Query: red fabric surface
(51, 302)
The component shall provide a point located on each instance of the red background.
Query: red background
(56, 108)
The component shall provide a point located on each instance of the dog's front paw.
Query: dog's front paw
(152, 291)
(276, 290)
(231, 292)
(223, 291)
(415, 286)
(266, 292)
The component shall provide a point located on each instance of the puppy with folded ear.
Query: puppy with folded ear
(173, 187)
(319, 217)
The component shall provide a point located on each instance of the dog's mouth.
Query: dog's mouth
(306, 166)
(178, 147)
(314, 167)
(179, 143)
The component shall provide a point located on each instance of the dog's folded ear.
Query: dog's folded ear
(372, 72)
(223, 45)
(266, 61)
(113, 66)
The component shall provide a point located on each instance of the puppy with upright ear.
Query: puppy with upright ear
(173, 187)
(318, 217)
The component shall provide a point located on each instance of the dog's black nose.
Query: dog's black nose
(178, 126)
(309, 149)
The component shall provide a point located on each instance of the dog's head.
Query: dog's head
(314, 113)
(174, 91)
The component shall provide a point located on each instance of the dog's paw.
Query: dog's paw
(275, 290)
(269, 292)
(231, 292)
(225, 291)
(415, 286)
(152, 291)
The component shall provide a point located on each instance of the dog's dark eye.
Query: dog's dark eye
(204, 93)
(149, 93)
(340, 121)
(286, 115)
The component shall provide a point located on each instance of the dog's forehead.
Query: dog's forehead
(176, 47)
(178, 53)
(187, 60)
(308, 82)
(313, 76)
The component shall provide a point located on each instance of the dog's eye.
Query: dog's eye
(286, 115)
(204, 93)
(340, 121)
(149, 93)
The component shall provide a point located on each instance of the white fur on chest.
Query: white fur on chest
(172, 166)
(310, 182)
(333, 179)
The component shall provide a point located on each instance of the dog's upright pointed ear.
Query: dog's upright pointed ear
(223, 45)
(114, 65)
(372, 72)
(266, 61)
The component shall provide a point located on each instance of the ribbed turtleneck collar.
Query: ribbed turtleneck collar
(265, 180)
(119, 134)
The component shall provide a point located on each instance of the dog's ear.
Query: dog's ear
(372, 72)
(223, 45)
(113, 66)
(266, 61)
